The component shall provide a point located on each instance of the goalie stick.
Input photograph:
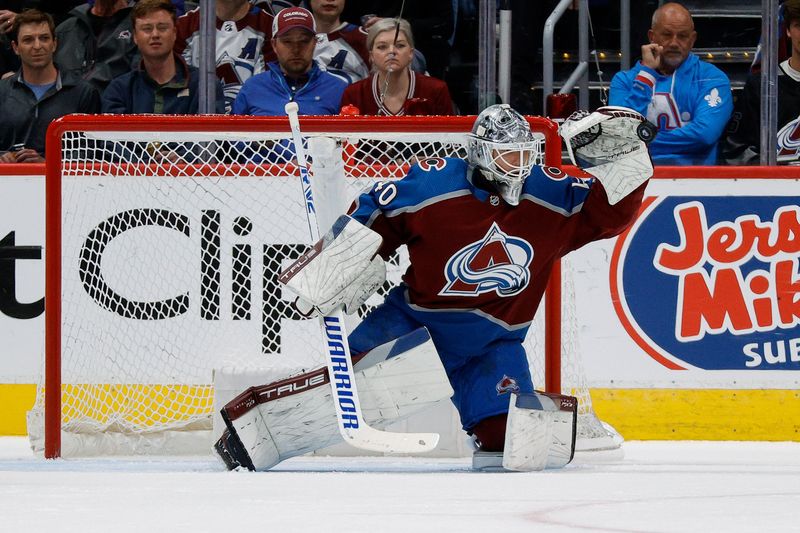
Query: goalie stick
(349, 416)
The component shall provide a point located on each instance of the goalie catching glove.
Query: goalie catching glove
(611, 145)
(342, 269)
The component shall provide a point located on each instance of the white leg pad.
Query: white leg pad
(295, 416)
(540, 431)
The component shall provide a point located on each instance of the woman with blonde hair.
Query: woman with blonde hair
(393, 88)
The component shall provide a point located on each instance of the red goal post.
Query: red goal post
(63, 159)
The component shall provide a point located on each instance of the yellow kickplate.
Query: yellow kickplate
(638, 414)
(700, 414)
(142, 406)
(16, 400)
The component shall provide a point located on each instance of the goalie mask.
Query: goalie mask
(502, 146)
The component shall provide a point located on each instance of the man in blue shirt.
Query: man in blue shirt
(294, 77)
(689, 100)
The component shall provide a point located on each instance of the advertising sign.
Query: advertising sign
(712, 282)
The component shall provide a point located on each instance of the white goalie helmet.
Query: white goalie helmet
(502, 145)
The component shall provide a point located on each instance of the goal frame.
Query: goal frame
(246, 124)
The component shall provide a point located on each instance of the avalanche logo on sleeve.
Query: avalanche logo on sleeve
(506, 385)
(712, 282)
(498, 262)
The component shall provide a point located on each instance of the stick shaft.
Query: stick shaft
(349, 416)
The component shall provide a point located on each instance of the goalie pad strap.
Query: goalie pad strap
(342, 269)
(540, 431)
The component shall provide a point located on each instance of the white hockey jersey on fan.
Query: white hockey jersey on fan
(243, 47)
(343, 52)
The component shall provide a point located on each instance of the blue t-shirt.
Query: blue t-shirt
(39, 90)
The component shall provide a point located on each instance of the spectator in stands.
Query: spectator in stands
(432, 21)
(243, 46)
(295, 76)
(341, 46)
(275, 6)
(180, 5)
(743, 144)
(9, 63)
(784, 45)
(689, 100)
(393, 88)
(162, 82)
(58, 9)
(96, 42)
(38, 92)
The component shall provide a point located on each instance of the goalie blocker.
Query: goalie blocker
(270, 423)
(342, 269)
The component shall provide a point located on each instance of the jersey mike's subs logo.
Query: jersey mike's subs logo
(496, 263)
(713, 283)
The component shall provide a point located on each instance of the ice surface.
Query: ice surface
(656, 487)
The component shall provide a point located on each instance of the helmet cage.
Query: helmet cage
(502, 146)
(507, 164)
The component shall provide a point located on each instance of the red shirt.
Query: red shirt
(426, 96)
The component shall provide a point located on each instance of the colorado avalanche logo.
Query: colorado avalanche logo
(498, 262)
(506, 385)
(789, 141)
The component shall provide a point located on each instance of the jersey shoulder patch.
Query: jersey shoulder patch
(428, 179)
(432, 163)
(439, 174)
(553, 188)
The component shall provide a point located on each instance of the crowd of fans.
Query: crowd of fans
(117, 56)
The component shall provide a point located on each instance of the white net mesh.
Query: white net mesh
(593, 434)
(171, 245)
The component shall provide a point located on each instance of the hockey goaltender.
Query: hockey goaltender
(482, 235)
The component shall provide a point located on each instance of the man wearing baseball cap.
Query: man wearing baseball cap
(294, 77)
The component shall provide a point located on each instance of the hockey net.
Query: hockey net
(164, 239)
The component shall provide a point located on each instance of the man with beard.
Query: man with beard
(689, 100)
(295, 76)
